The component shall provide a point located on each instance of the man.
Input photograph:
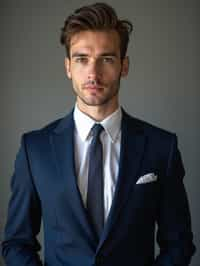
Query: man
(100, 179)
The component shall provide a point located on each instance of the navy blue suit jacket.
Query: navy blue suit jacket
(44, 186)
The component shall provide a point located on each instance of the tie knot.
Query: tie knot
(96, 130)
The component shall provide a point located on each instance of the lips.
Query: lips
(93, 88)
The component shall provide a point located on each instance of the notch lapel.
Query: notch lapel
(131, 155)
(63, 149)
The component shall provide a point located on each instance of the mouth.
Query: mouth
(94, 88)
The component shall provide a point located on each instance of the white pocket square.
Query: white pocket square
(151, 177)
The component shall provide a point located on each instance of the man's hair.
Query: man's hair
(96, 17)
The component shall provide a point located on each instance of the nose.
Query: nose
(94, 70)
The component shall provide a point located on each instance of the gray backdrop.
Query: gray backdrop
(162, 86)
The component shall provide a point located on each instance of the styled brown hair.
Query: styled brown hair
(96, 17)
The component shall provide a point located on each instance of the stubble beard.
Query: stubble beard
(99, 101)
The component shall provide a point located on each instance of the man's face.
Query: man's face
(95, 67)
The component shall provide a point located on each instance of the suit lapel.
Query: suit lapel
(131, 154)
(63, 149)
(132, 149)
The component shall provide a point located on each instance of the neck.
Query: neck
(98, 112)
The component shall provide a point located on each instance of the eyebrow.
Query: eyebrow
(109, 54)
(79, 55)
(101, 55)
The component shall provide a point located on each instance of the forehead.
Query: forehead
(95, 41)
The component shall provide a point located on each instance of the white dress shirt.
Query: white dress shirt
(111, 142)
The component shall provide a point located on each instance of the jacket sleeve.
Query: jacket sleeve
(174, 234)
(20, 245)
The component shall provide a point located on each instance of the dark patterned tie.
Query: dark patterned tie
(95, 195)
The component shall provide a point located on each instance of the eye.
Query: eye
(82, 60)
(108, 59)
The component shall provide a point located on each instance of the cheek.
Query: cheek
(79, 73)
(76, 72)
(111, 75)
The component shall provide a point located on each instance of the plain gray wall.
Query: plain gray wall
(162, 86)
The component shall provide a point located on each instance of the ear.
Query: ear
(125, 66)
(68, 68)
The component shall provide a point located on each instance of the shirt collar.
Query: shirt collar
(84, 123)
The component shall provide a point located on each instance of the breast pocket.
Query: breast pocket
(146, 196)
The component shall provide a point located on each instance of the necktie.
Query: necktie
(95, 198)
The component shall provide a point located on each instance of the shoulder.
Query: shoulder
(42, 134)
(153, 133)
(44, 131)
(145, 126)
(160, 144)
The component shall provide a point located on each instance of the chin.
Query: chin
(92, 101)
